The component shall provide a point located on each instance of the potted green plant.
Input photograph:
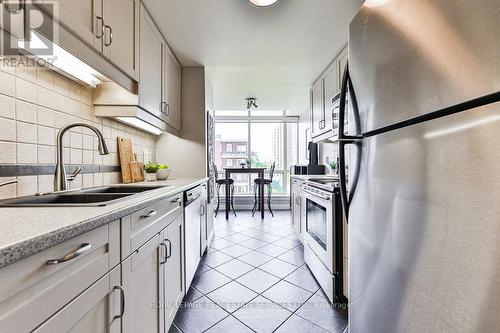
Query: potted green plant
(333, 166)
(151, 168)
(163, 172)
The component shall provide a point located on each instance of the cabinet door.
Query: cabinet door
(142, 284)
(330, 84)
(97, 310)
(84, 18)
(317, 108)
(172, 88)
(121, 33)
(173, 269)
(150, 68)
(342, 63)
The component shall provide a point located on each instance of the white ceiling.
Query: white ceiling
(272, 53)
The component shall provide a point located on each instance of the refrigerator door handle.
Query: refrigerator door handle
(345, 140)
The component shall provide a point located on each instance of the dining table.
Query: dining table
(259, 172)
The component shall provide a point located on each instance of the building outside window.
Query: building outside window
(260, 139)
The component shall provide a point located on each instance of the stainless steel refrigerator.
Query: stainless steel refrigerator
(423, 199)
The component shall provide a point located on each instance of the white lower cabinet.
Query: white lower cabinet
(173, 270)
(141, 278)
(85, 285)
(98, 309)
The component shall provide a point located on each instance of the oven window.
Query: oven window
(316, 222)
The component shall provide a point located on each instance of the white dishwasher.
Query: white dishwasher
(192, 231)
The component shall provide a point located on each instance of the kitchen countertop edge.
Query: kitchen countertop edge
(27, 247)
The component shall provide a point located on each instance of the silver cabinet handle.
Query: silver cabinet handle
(169, 248)
(178, 201)
(122, 306)
(110, 35)
(202, 212)
(97, 20)
(81, 250)
(167, 111)
(166, 253)
(148, 215)
(297, 200)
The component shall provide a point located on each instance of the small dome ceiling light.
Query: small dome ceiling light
(263, 3)
(251, 103)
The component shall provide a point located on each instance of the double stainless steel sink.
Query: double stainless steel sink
(92, 197)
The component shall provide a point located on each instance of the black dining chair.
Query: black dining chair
(268, 182)
(219, 183)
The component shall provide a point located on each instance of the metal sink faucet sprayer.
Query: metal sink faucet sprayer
(60, 177)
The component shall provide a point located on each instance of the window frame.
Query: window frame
(248, 119)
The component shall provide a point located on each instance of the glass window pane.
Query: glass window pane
(264, 113)
(230, 138)
(231, 113)
(267, 144)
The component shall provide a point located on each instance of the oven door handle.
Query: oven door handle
(317, 195)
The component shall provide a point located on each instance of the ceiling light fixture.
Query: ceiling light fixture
(263, 3)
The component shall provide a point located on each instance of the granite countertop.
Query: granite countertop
(29, 230)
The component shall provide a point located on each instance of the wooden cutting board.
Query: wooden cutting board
(126, 155)
(136, 170)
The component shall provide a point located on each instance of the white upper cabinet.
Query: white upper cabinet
(151, 65)
(121, 34)
(322, 92)
(172, 89)
(317, 108)
(342, 63)
(83, 18)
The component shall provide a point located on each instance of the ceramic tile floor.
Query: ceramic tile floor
(254, 279)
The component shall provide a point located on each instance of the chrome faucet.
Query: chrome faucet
(60, 177)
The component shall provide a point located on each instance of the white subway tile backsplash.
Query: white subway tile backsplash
(7, 107)
(26, 91)
(87, 180)
(61, 84)
(8, 191)
(27, 185)
(7, 84)
(87, 157)
(76, 140)
(46, 98)
(7, 130)
(98, 179)
(26, 112)
(7, 152)
(45, 183)
(45, 78)
(46, 136)
(26, 153)
(45, 117)
(26, 132)
(76, 156)
(46, 154)
(87, 142)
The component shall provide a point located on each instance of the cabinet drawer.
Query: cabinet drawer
(32, 289)
(143, 224)
(96, 310)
